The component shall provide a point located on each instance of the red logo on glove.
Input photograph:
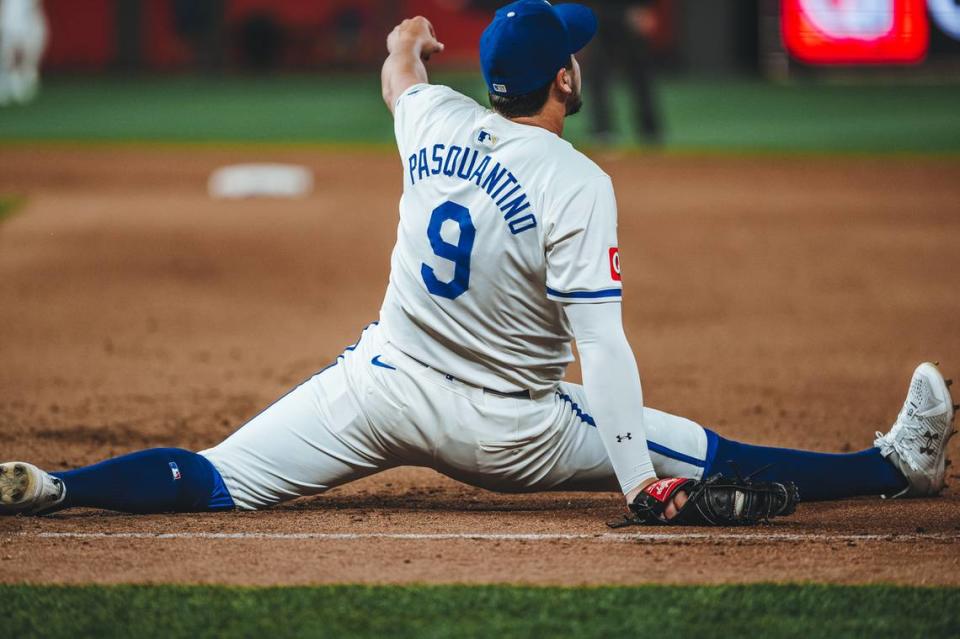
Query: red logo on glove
(661, 490)
(615, 264)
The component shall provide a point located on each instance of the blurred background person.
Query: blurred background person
(199, 24)
(623, 44)
(23, 39)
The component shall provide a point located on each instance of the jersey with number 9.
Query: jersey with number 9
(500, 223)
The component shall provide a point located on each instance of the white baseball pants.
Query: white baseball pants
(376, 408)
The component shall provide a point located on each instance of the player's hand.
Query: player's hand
(675, 504)
(417, 34)
(714, 501)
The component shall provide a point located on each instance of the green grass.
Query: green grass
(460, 612)
(740, 115)
(859, 119)
(9, 204)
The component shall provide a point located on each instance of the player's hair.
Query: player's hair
(526, 104)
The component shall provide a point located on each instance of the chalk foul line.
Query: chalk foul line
(662, 537)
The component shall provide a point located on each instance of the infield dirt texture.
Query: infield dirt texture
(778, 300)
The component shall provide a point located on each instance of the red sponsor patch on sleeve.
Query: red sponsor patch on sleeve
(615, 264)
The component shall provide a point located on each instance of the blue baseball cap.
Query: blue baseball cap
(529, 41)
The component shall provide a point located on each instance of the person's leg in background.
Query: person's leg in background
(600, 65)
(639, 73)
(31, 55)
(7, 59)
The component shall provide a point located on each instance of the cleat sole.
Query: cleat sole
(16, 482)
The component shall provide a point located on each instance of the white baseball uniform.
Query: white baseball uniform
(502, 226)
(23, 39)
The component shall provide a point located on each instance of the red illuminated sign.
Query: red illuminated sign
(855, 31)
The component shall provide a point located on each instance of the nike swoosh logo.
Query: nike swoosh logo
(376, 362)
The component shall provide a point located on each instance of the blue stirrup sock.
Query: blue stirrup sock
(157, 480)
(175, 480)
(818, 476)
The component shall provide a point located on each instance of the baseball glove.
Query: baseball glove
(715, 501)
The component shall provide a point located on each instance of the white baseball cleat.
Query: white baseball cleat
(917, 442)
(24, 488)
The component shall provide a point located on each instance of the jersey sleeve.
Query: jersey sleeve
(420, 108)
(583, 261)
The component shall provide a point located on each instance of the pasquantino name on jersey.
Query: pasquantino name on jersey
(462, 162)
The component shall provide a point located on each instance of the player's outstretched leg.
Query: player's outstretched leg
(149, 481)
(909, 460)
(682, 448)
(818, 476)
(315, 437)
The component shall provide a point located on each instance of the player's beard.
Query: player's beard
(574, 103)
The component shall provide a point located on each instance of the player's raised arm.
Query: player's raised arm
(410, 44)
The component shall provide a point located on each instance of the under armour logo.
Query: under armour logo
(930, 441)
(620, 438)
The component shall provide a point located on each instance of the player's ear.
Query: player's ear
(564, 81)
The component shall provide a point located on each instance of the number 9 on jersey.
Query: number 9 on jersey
(458, 253)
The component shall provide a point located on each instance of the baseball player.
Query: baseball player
(506, 252)
(23, 38)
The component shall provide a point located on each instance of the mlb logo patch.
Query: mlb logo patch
(485, 138)
(499, 88)
(615, 264)
(175, 471)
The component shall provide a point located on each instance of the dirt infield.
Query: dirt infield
(782, 301)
